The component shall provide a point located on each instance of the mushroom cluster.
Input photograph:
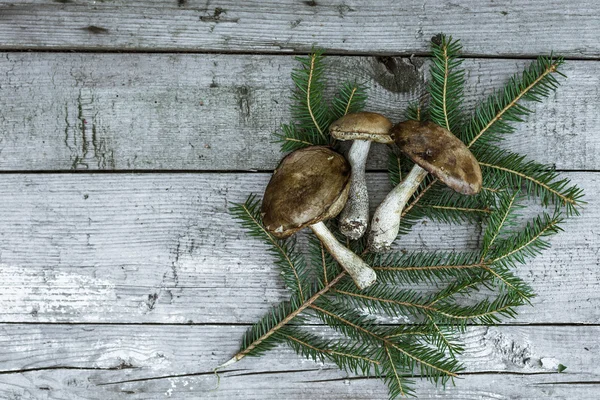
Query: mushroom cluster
(316, 183)
(308, 187)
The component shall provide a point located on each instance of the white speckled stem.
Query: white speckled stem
(355, 215)
(386, 220)
(359, 271)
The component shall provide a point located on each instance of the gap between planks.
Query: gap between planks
(422, 54)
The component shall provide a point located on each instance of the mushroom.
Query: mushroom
(435, 150)
(363, 128)
(310, 186)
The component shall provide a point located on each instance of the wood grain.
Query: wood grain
(62, 111)
(383, 26)
(134, 286)
(162, 248)
(127, 361)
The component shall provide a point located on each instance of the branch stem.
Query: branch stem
(286, 320)
(308, 87)
(497, 117)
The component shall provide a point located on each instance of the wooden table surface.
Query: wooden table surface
(128, 128)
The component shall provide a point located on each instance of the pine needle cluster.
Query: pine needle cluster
(427, 346)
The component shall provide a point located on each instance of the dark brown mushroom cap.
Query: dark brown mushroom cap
(309, 185)
(362, 126)
(439, 152)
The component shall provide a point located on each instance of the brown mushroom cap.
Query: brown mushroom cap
(362, 126)
(441, 153)
(309, 185)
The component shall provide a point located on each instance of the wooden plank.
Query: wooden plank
(116, 361)
(163, 248)
(215, 112)
(385, 26)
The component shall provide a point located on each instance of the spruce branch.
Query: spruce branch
(325, 268)
(397, 384)
(308, 107)
(394, 168)
(492, 119)
(310, 112)
(258, 337)
(292, 264)
(443, 337)
(293, 138)
(416, 111)
(399, 268)
(440, 310)
(319, 287)
(446, 83)
(499, 220)
(503, 169)
(485, 312)
(351, 98)
(311, 115)
(350, 357)
(528, 242)
(461, 287)
(432, 364)
(384, 299)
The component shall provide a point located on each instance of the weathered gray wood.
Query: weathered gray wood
(315, 384)
(384, 26)
(116, 361)
(214, 112)
(163, 248)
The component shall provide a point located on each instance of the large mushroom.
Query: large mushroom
(434, 150)
(310, 186)
(363, 128)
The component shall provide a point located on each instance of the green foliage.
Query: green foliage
(446, 83)
(502, 169)
(351, 98)
(309, 110)
(293, 138)
(415, 111)
(433, 292)
(260, 338)
(291, 263)
(491, 121)
(351, 357)
(406, 268)
(527, 242)
(561, 368)
(395, 167)
(324, 266)
(311, 114)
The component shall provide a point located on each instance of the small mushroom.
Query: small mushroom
(310, 186)
(435, 150)
(363, 128)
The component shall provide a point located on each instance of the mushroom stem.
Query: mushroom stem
(359, 271)
(355, 215)
(386, 220)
